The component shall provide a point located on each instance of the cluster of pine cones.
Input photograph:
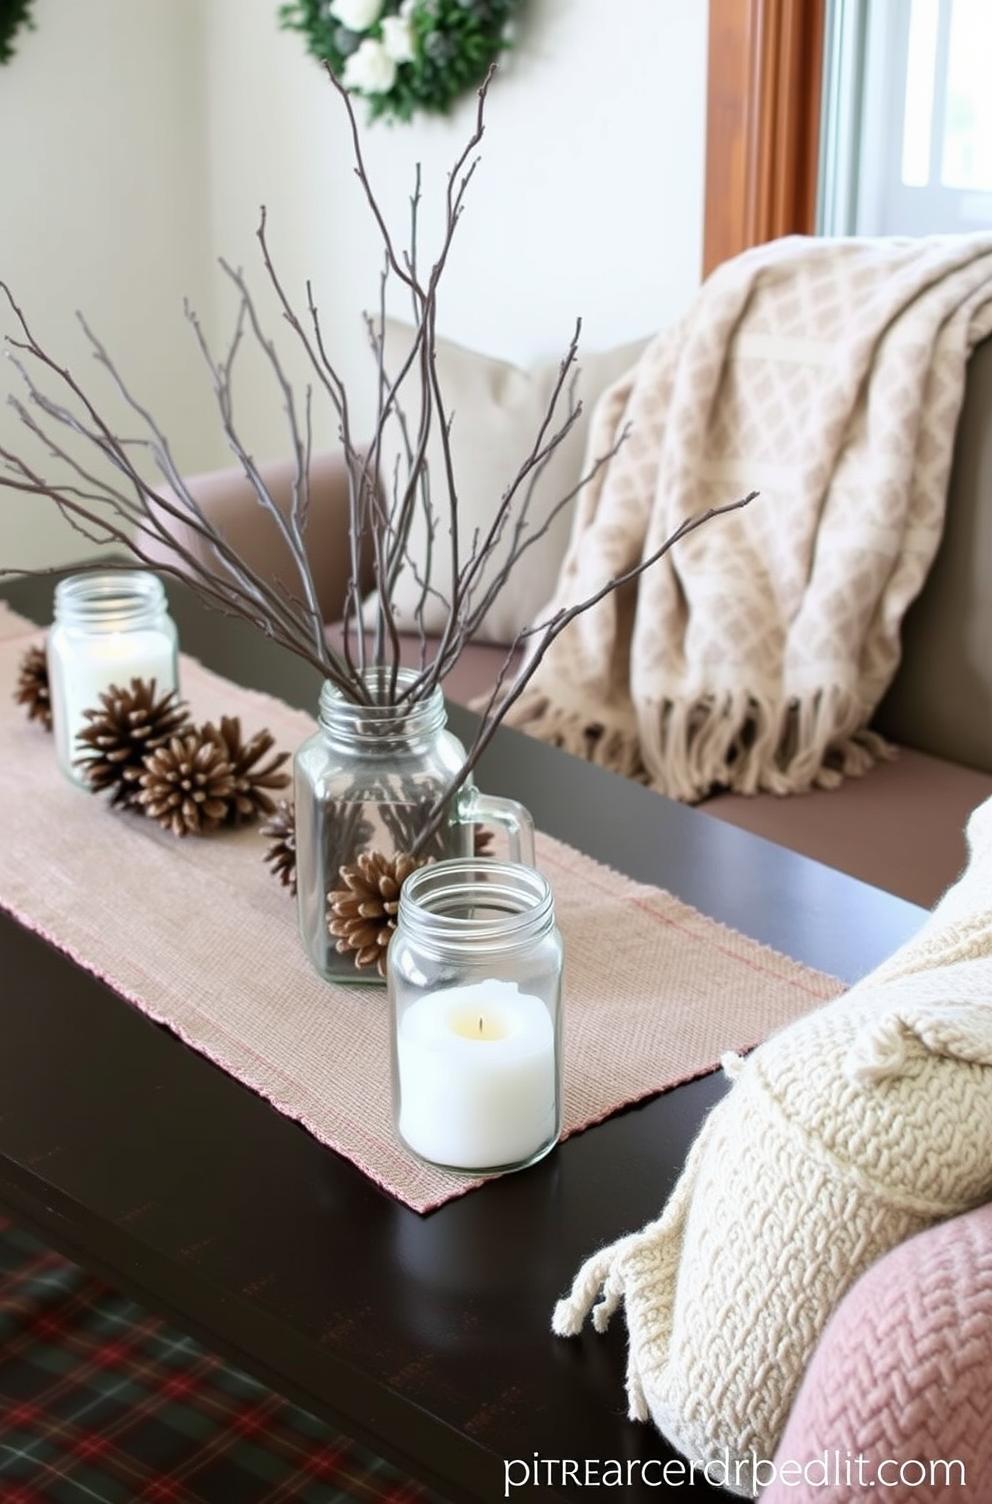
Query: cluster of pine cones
(144, 751)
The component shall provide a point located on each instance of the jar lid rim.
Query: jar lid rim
(332, 697)
(381, 720)
(123, 582)
(525, 892)
(105, 596)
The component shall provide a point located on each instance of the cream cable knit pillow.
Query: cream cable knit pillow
(845, 1133)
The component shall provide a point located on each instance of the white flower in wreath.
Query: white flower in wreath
(357, 15)
(397, 38)
(370, 69)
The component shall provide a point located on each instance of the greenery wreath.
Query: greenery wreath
(405, 55)
(13, 15)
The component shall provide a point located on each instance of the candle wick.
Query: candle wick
(480, 1025)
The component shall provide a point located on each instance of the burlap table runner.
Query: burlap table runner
(198, 935)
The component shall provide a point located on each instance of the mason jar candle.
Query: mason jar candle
(110, 627)
(474, 975)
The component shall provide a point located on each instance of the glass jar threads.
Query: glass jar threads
(110, 627)
(474, 975)
(367, 782)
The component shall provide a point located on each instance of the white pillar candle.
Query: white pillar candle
(477, 1073)
(84, 667)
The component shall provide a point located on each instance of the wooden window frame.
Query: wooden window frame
(762, 123)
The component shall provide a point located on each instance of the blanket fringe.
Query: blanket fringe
(599, 739)
(603, 1280)
(738, 740)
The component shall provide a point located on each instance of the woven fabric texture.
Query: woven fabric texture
(198, 935)
(103, 1403)
(827, 375)
(851, 1130)
(903, 1374)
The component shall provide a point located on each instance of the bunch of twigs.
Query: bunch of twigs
(142, 516)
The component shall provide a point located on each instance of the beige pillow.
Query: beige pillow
(498, 409)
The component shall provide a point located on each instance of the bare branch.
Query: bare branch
(499, 702)
(143, 513)
(147, 518)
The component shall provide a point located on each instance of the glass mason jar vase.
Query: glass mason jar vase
(366, 781)
(475, 970)
(110, 627)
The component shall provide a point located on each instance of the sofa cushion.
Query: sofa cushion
(941, 698)
(229, 503)
(899, 827)
(497, 410)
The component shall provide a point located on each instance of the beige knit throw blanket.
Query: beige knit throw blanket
(828, 376)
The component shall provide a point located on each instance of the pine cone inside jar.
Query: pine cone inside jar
(361, 913)
(120, 733)
(281, 854)
(188, 785)
(252, 777)
(32, 687)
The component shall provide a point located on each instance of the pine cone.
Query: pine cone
(361, 914)
(250, 782)
(188, 785)
(281, 855)
(32, 687)
(482, 840)
(122, 731)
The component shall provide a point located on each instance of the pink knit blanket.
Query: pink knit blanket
(902, 1379)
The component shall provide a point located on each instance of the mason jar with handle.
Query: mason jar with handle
(368, 780)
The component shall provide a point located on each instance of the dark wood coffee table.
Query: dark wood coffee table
(428, 1337)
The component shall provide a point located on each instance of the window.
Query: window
(907, 137)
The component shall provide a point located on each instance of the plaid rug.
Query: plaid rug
(102, 1403)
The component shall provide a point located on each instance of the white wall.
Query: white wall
(588, 199)
(268, 142)
(147, 132)
(101, 209)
